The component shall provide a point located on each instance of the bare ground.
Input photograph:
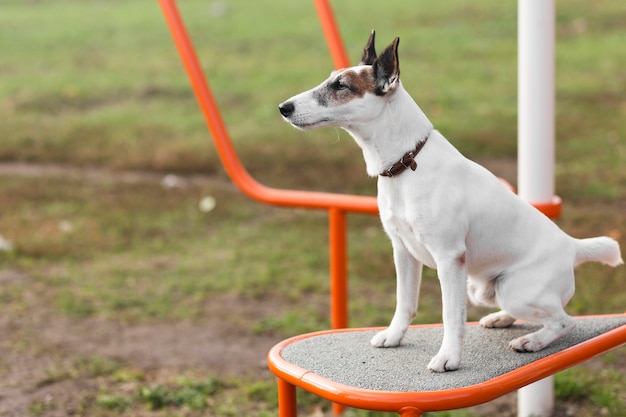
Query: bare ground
(38, 350)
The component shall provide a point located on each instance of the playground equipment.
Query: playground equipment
(340, 366)
(536, 167)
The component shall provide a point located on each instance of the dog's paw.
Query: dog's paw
(444, 362)
(526, 344)
(497, 320)
(387, 338)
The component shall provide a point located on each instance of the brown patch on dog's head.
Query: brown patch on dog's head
(378, 75)
(346, 85)
(360, 82)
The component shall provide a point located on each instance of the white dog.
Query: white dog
(447, 212)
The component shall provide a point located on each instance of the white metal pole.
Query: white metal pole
(536, 100)
(536, 91)
(536, 400)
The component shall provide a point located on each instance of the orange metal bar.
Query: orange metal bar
(225, 149)
(338, 279)
(287, 403)
(331, 32)
(336, 204)
(338, 276)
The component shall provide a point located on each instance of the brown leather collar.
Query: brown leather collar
(407, 161)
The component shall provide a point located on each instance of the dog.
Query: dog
(444, 211)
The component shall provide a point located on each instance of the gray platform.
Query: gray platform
(349, 359)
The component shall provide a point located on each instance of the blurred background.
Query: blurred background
(135, 279)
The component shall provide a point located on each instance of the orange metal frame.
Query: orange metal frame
(415, 403)
(337, 205)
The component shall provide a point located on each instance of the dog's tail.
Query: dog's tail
(598, 249)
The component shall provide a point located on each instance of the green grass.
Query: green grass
(98, 86)
(595, 390)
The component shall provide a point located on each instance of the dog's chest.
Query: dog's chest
(403, 224)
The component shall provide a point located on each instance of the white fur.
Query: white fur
(453, 215)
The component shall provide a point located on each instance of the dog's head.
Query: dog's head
(349, 96)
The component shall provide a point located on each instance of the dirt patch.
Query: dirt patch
(213, 344)
(39, 352)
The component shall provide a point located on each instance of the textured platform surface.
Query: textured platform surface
(349, 359)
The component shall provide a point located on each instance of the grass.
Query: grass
(98, 88)
(598, 390)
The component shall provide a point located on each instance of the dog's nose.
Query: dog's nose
(287, 108)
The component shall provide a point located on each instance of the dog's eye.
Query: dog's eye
(338, 85)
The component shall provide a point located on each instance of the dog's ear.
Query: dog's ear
(369, 53)
(387, 69)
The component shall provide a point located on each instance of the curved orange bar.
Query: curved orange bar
(331, 32)
(444, 399)
(225, 149)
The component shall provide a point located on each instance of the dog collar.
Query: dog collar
(407, 161)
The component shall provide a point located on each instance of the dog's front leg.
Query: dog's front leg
(453, 279)
(409, 278)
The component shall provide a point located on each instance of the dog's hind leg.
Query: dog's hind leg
(409, 278)
(539, 301)
(554, 327)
